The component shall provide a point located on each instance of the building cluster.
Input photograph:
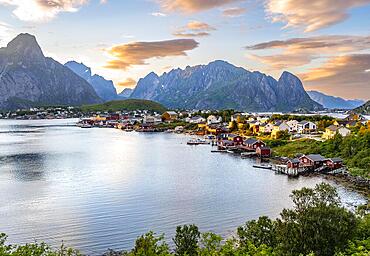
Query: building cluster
(42, 113)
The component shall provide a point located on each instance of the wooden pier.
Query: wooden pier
(293, 172)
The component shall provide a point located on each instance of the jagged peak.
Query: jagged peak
(287, 74)
(25, 44)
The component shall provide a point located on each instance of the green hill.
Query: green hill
(364, 109)
(129, 105)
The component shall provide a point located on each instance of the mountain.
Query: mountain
(129, 105)
(332, 102)
(364, 109)
(104, 88)
(29, 78)
(126, 93)
(221, 85)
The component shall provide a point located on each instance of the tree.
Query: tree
(258, 232)
(210, 244)
(186, 240)
(149, 245)
(316, 224)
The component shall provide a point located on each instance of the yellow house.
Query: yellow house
(170, 116)
(278, 127)
(332, 130)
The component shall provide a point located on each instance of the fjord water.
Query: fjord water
(96, 189)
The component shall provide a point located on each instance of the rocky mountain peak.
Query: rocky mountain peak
(79, 68)
(25, 46)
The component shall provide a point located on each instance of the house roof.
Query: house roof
(332, 127)
(315, 157)
(264, 148)
(336, 160)
(294, 161)
(171, 113)
(250, 141)
(303, 122)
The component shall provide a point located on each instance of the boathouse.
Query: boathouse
(263, 151)
(293, 163)
(334, 163)
(252, 143)
(312, 160)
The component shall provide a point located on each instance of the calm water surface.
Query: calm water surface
(101, 188)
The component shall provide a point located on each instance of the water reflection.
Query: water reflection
(101, 188)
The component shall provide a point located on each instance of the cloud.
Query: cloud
(344, 75)
(137, 53)
(279, 62)
(158, 14)
(42, 10)
(129, 82)
(191, 6)
(312, 15)
(6, 33)
(301, 51)
(234, 12)
(194, 29)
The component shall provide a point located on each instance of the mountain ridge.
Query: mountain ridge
(332, 102)
(220, 85)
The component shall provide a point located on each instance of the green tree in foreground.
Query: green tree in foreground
(186, 240)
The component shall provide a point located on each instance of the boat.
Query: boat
(263, 166)
(230, 151)
(85, 125)
(197, 142)
(248, 154)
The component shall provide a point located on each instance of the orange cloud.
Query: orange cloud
(301, 51)
(137, 53)
(129, 82)
(234, 12)
(42, 10)
(191, 6)
(347, 76)
(194, 29)
(312, 15)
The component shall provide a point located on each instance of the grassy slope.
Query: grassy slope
(364, 109)
(129, 105)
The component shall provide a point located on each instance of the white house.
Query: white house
(306, 127)
(293, 125)
(195, 120)
(213, 120)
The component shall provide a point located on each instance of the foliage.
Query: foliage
(314, 118)
(34, 249)
(127, 105)
(186, 240)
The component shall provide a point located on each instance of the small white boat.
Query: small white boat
(86, 126)
(197, 142)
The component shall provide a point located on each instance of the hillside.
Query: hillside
(129, 105)
(364, 109)
(221, 85)
(27, 78)
(332, 102)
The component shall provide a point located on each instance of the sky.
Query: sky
(326, 43)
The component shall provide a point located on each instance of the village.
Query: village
(244, 134)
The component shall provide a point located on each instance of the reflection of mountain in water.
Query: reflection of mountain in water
(25, 167)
